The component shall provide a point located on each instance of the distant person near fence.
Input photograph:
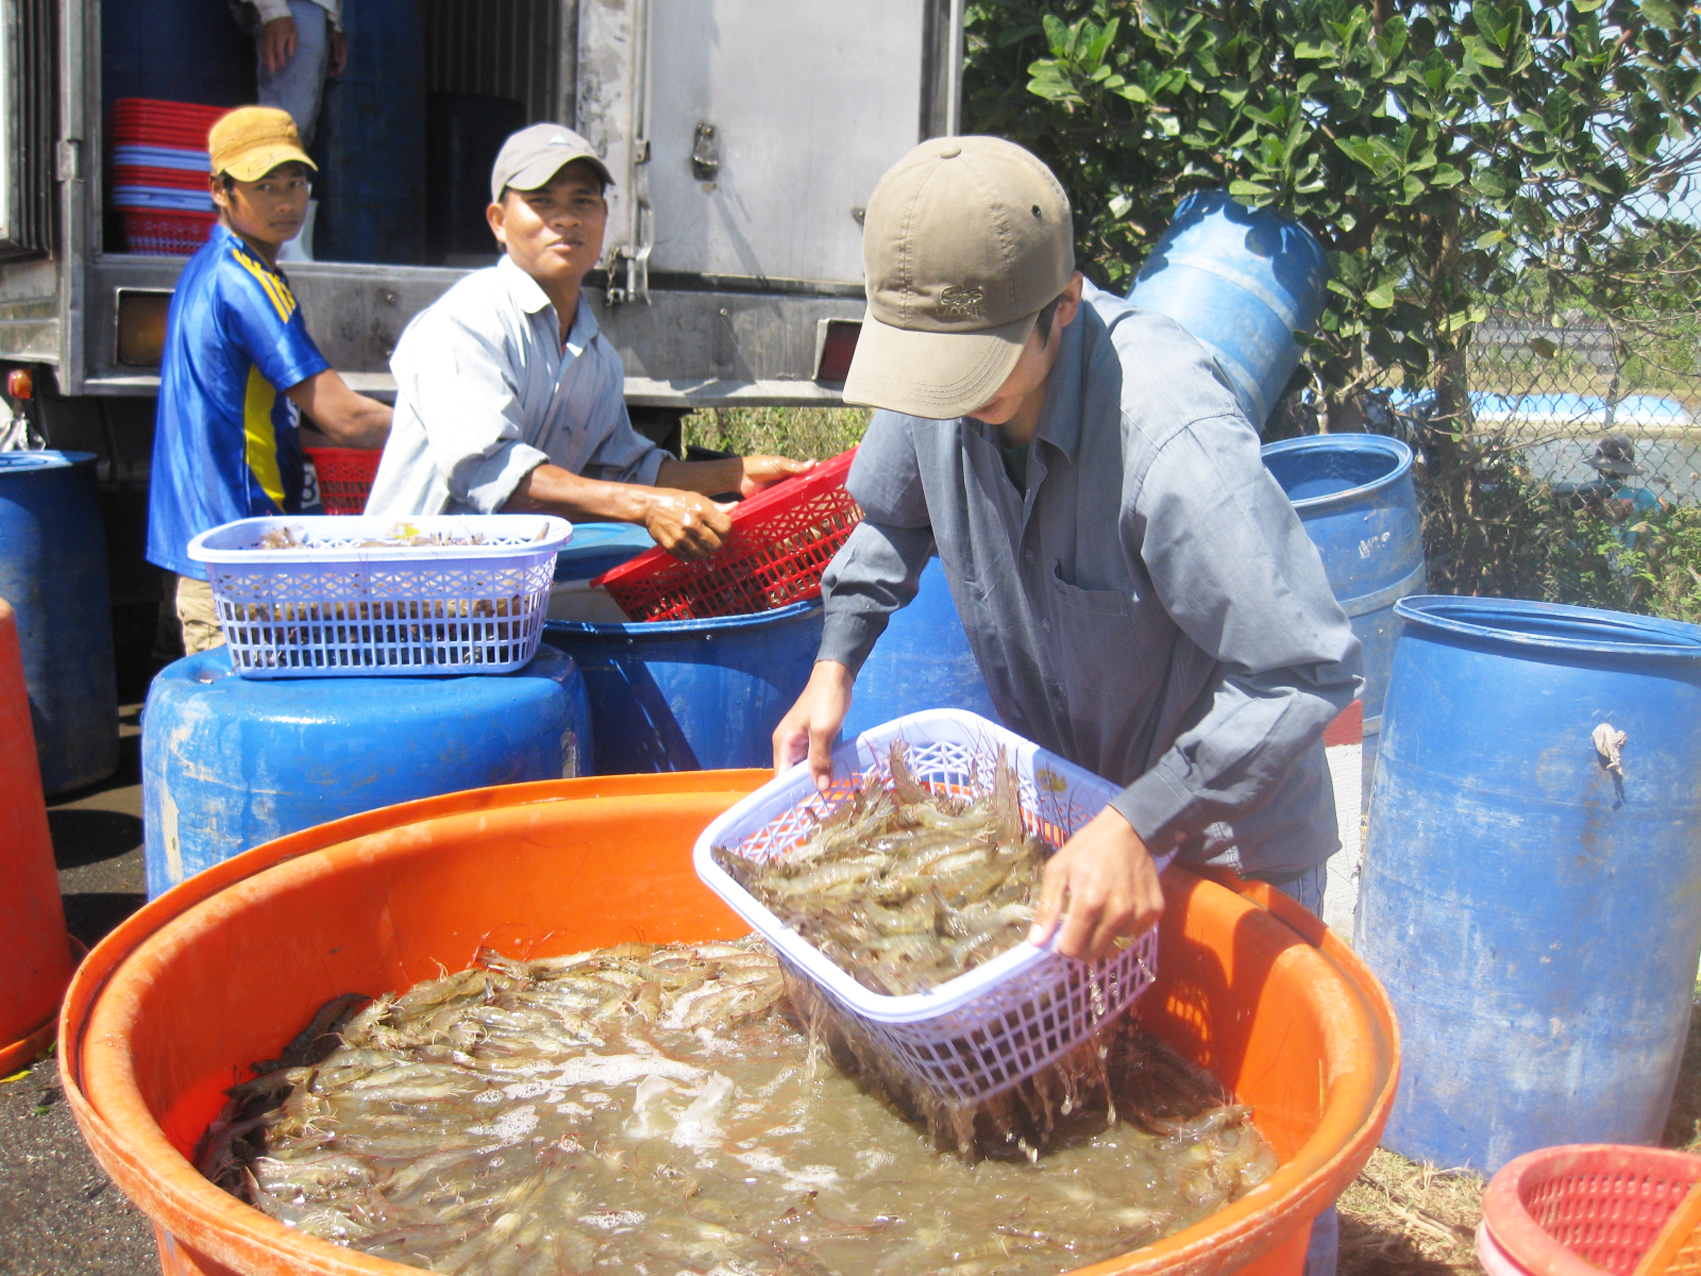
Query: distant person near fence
(1612, 496)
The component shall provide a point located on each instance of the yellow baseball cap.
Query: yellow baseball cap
(251, 141)
(965, 241)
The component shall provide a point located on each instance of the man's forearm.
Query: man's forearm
(346, 418)
(367, 425)
(709, 478)
(549, 489)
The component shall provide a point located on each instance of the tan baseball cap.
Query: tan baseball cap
(251, 141)
(534, 155)
(965, 241)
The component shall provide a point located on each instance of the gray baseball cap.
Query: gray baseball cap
(965, 241)
(531, 157)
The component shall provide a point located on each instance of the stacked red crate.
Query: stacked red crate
(159, 174)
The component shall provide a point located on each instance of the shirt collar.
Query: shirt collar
(240, 245)
(521, 286)
(531, 298)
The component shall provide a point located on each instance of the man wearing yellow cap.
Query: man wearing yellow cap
(239, 367)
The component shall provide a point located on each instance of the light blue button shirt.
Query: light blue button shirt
(486, 392)
(1149, 607)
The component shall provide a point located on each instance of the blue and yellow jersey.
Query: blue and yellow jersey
(227, 441)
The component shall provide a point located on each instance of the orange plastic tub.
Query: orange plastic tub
(37, 952)
(163, 1015)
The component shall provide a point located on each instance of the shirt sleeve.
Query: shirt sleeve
(1236, 571)
(878, 568)
(457, 382)
(624, 455)
(271, 10)
(876, 571)
(266, 325)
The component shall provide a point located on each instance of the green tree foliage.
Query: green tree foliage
(1438, 150)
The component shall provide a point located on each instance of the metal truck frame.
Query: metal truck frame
(701, 320)
(744, 136)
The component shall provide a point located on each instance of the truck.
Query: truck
(744, 137)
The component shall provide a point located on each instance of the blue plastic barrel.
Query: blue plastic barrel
(922, 661)
(370, 146)
(175, 51)
(600, 547)
(684, 695)
(230, 762)
(1533, 914)
(1355, 496)
(53, 572)
(1243, 283)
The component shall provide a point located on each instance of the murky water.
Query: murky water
(654, 1111)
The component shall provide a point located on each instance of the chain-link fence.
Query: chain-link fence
(1553, 383)
(1556, 386)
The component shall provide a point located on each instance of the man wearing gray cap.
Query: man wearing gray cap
(510, 398)
(1138, 592)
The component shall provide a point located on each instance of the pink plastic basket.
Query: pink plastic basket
(1581, 1209)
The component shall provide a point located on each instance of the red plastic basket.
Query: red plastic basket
(160, 233)
(146, 175)
(345, 476)
(145, 122)
(781, 541)
(1581, 1209)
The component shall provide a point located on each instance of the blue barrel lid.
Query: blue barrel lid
(1336, 469)
(381, 697)
(1526, 623)
(19, 462)
(707, 627)
(600, 547)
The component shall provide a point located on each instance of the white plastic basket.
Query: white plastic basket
(340, 609)
(985, 1030)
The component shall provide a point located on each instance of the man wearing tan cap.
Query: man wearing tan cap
(510, 397)
(239, 368)
(1138, 592)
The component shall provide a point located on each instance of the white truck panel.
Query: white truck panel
(794, 156)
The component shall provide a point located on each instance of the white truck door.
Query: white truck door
(746, 135)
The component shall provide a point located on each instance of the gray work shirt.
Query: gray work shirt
(486, 392)
(1150, 608)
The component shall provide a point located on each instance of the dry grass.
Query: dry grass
(1400, 1218)
(797, 432)
(1683, 1122)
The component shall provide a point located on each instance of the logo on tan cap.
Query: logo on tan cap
(965, 241)
(961, 303)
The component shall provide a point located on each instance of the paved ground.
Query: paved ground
(58, 1211)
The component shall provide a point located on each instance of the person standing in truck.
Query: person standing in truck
(509, 396)
(298, 45)
(1139, 594)
(239, 367)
